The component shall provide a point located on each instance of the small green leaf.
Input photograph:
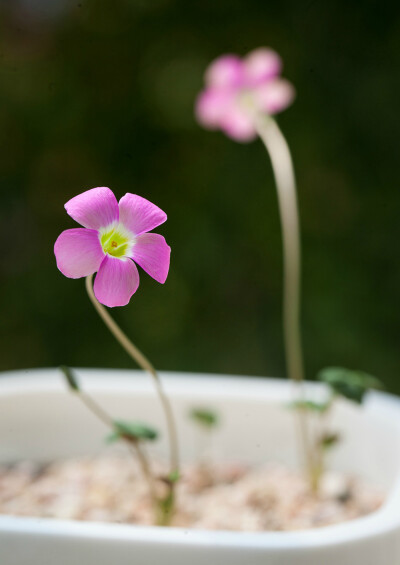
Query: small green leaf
(70, 378)
(174, 476)
(205, 417)
(112, 438)
(350, 384)
(329, 440)
(135, 431)
(309, 406)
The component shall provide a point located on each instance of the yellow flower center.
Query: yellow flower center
(115, 242)
(246, 100)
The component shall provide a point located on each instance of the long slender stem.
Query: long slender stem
(135, 446)
(145, 364)
(319, 450)
(144, 464)
(282, 166)
(96, 409)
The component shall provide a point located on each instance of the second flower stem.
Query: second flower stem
(145, 364)
(282, 166)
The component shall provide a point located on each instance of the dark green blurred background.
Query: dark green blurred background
(101, 94)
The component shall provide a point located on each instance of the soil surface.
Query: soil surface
(110, 488)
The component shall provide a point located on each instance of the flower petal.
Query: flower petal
(78, 252)
(211, 107)
(139, 215)
(261, 65)
(226, 71)
(95, 209)
(274, 96)
(238, 125)
(116, 281)
(152, 253)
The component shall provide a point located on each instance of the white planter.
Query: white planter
(40, 419)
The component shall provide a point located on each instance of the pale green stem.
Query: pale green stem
(319, 451)
(95, 408)
(144, 463)
(135, 446)
(145, 364)
(282, 167)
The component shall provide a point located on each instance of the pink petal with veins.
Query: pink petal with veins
(274, 96)
(78, 252)
(95, 209)
(225, 72)
(152, 253)
(211, 107)
(139, 215)
(116, 281)
(261, 65)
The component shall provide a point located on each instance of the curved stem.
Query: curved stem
(135, 447)
(144, 464)
(145, 364)
(96, 409)
(319, 451)
(282, 166)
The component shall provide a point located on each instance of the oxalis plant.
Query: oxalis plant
(241, 97)
(114, 237)
(340, 383)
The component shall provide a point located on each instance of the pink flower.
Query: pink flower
(113, 237)
(237, 89)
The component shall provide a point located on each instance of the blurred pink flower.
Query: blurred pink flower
(238, 89)
(113, 237)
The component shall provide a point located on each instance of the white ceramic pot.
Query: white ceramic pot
(40, 419)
